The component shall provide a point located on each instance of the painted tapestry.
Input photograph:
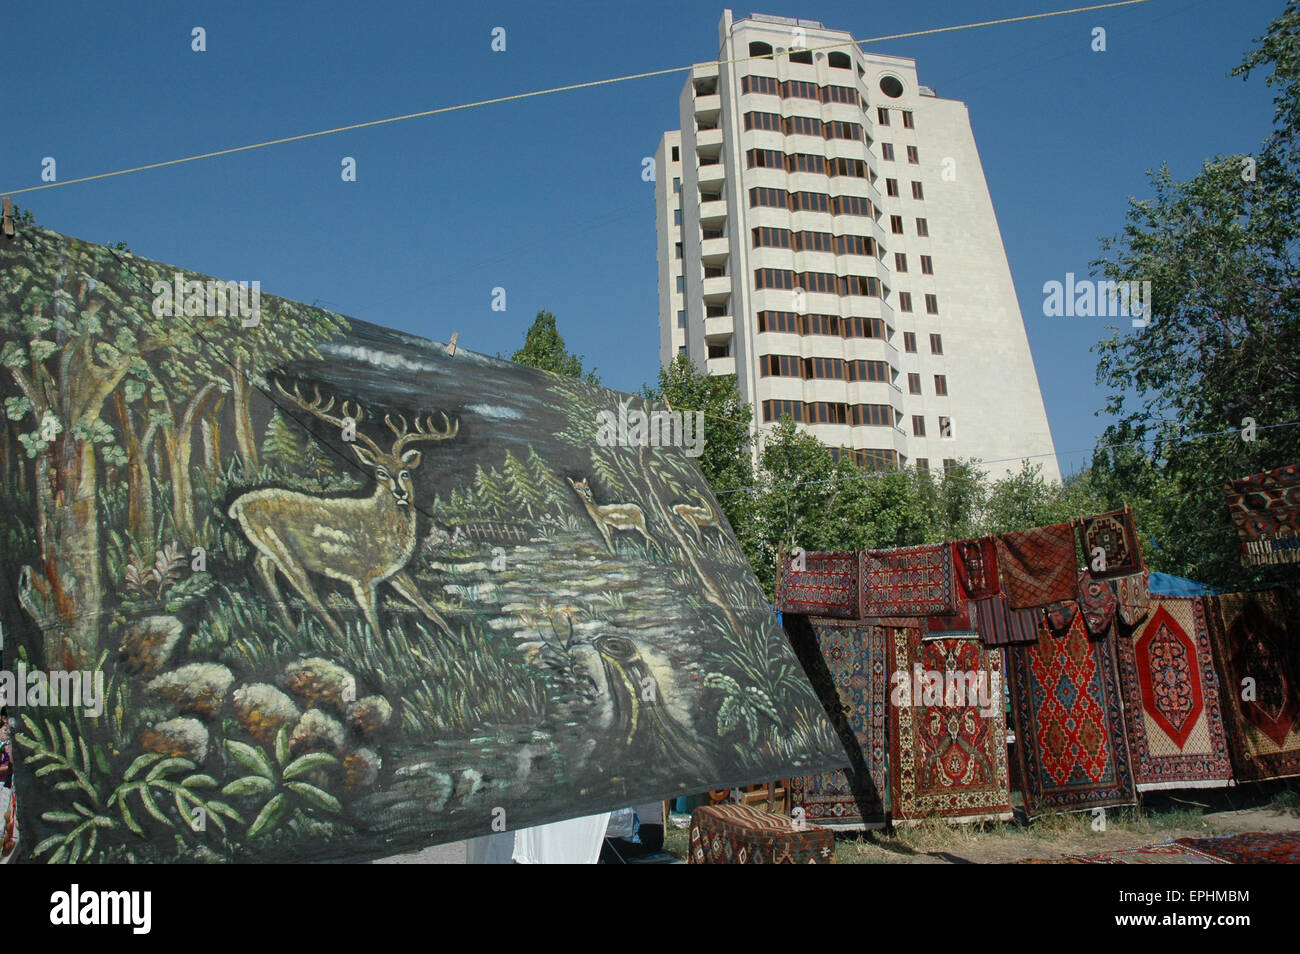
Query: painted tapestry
(1171, 699)
(947, 731)
(329, 592)
(1256, 640)
(1069, 723)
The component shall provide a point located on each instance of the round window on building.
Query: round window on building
(891, 86)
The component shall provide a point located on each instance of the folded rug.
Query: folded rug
(1038, 566)
(960, 623)
(1256, 637)
(826, 586)
(1171, 700)
(1000, 625)
(1110, 544)
(1265, 509)
(975, 563)
(1060, 615)
(1134, 595)
(1069, 723)
(908, 582)
(855, 657)
(948, 730)
(1098, 604)
(743, 835)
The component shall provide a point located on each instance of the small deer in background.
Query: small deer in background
(697, 518)
(360, 541)
(611, 516)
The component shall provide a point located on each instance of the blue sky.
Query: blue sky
(544, 197)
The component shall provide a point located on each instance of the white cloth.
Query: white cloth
(573, 842)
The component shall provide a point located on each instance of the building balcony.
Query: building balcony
(708, 137)
(713, 287)
(707, 106)
(718, 326)
(714, 249)
(713, 213)
(722, 365)
(712, 175)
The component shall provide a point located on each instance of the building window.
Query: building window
(800, 89)
(945, 428)
(758, 48)
(904, 301)
(763, 159)
(853, 205)
(809, 202)
(882, 116)
(855, 245)
(923, 464)
(936, 344)
(677, 216)
(678, 250)
(940, 385)
(773, 278)
(677, 154)
(681, 286)
(896, 224)
(918, 425)
(913, 383)
(801, 56)
(814, 242)
(891, 188)
(760, 84)
(907, 119)
(677, 185)
(873, 415)
(932, 304)
(913, 156)
(771, 238)
(681, 350)
(843, 130)
(839, 60)
(909, 342)
(868, 371)
(779, 366)
(848, 167)
(858, 285)
(887, 151)
(783, 322)
(917, 192)
(922, 228)
(771, 122)
(802, 126)
(681, 319)
(772, 198)
(805, 162)
(839, 94)
(927, 265)
(900, 262)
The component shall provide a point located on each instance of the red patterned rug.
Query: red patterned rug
(947, 731)
(1265, 509)
(999, 625)
(827, 586)
(1250, 848)
(1069, 723)
(1038, 566)
(1171, 700)
(855, 656)
(1134, 596)
(908, 581)
(975, 562)
(1113, 534)
(1256, 637)
(743, 835)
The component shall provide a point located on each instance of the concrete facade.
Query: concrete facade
(867, 267)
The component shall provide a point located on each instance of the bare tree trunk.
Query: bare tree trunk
(179, 441)
(210, 427)
(240, 392)
(139, 508)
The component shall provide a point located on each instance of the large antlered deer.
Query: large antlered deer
(360, 541)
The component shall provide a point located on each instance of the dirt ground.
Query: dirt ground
(1163, 817)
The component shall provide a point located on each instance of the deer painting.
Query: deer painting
(611, 516)
(360, 541)
(697, 518)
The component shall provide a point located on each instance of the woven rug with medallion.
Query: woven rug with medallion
(908, 582)
(1171, 699)
(1256, 636)
(855, 656)
(1115, 536)
(744, 835)
(947, 734)
(826, 586)
(1069, 723)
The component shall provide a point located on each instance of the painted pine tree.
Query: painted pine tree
(521, 492)
(280, 445)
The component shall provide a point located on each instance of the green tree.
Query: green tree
(521, 492)
(544, 348)
(280, 444)
(1223, 342)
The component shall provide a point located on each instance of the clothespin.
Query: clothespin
(451, 345)
(7, 218)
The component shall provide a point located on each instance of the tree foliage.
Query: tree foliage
(544, 348)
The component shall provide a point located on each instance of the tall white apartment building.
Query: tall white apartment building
(826, 235)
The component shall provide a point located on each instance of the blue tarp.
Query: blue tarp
(1166, 584)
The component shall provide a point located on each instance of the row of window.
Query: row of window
(831, 412)
(804, 126)
(909, 343)
(814, 241)
(900, 263)
(868, 458)
(830, 369)
(835, 326)
(923, 464)
(807, 162)
(914, 381)
(945, 427)
(891, 189)
(811, 202)
(822, 282)
(882, 117)
(887, 152)
(798, 89)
